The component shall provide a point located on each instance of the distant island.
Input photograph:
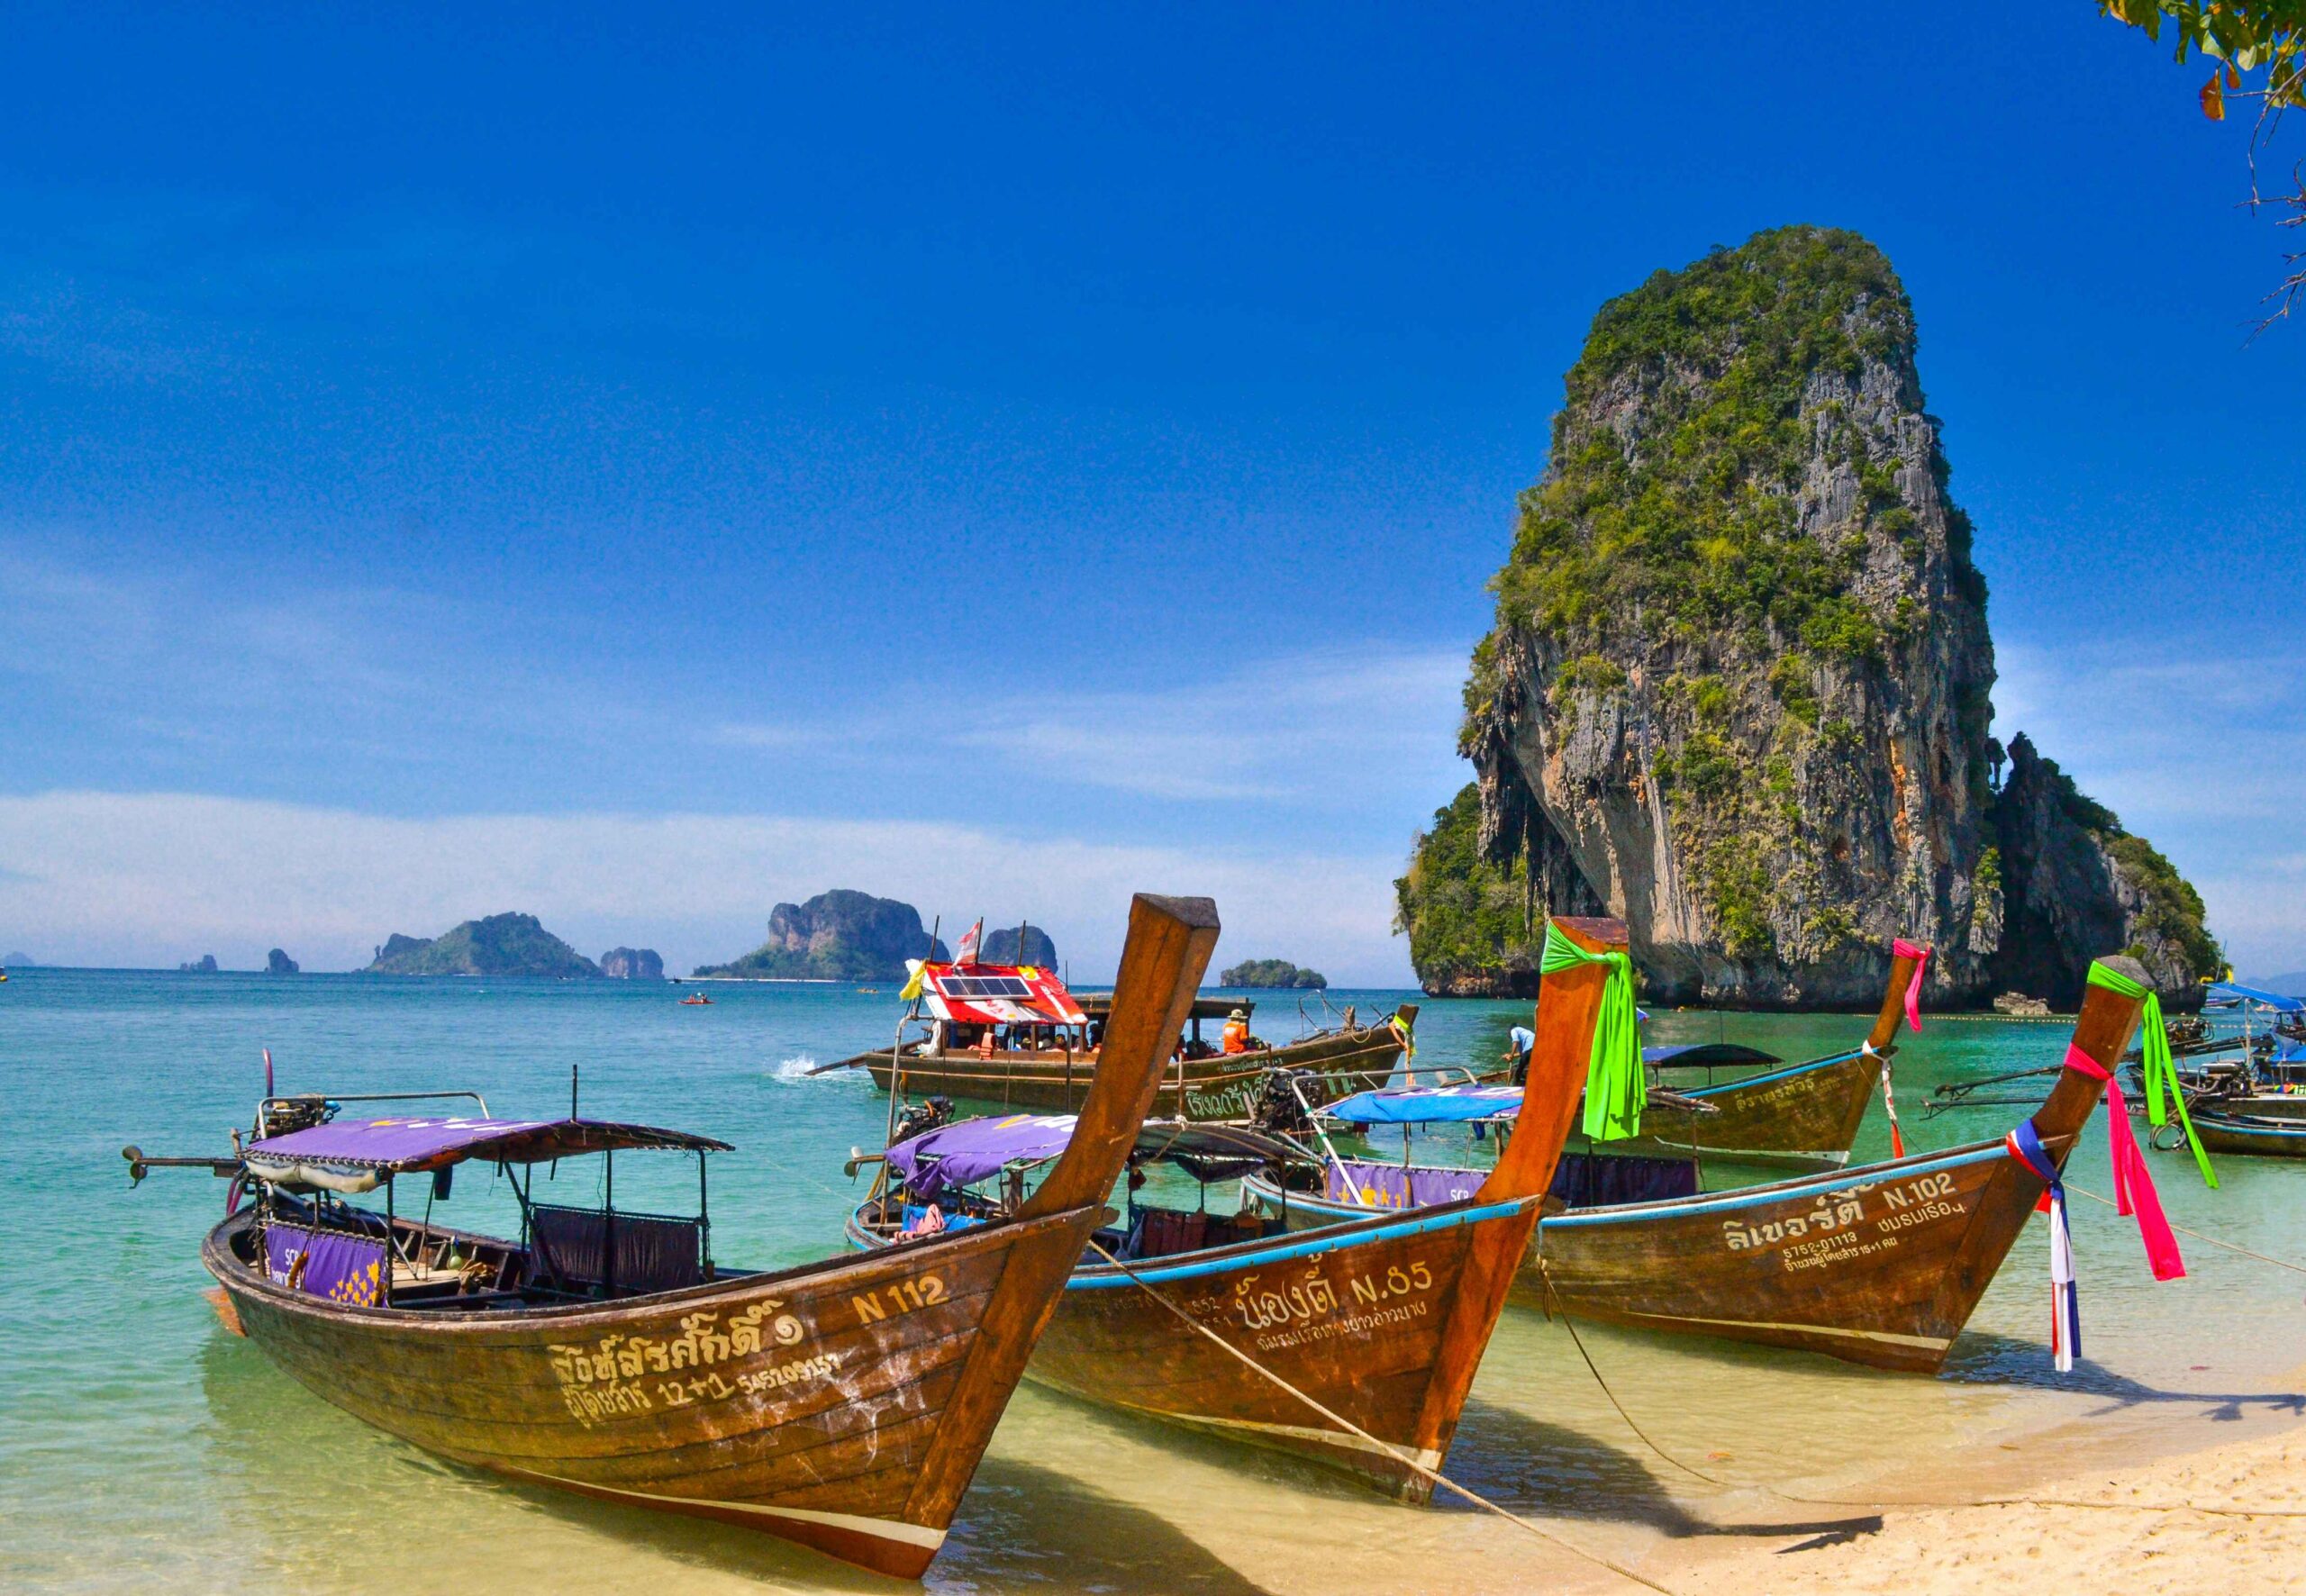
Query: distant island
(1000, 946)
(205, 965)
(633, 963)
(1272, 972)
(277, 963)
(500, 945)
(19, 961)
(836, 936)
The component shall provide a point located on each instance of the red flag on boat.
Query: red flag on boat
(971, 941)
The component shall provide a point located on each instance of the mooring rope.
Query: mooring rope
(2198, 1235)
(1434, 1476)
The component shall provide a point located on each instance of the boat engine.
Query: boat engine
(922, 1118)
(1278, 1110)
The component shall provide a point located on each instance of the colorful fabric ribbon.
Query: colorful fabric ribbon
(2133, 1186)
(2154, 1051)
(1615, 1087)
(2065, 1304)
(1901, 949)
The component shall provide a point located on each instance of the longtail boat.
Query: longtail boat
(2271, 1127)
(1804, 1114)
(1880, 1264)
(1012, 1035)
(1218, 1322)
(842, 1404)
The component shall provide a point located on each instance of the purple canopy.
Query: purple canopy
(963, 1154)
(398, 1145)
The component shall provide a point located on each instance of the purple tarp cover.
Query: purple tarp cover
(329, 1263)
(1389, 1186)
(405, 1142)
(963, 1154)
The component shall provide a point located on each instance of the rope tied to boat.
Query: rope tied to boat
(1615, 1084)
(2065, 1305)
(1346, 1425)
(2133, 1185)
(1889, 1099)
(2154, 1055)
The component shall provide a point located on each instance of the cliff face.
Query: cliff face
(1001, 947)
(1737, 690)
(633, 963)
(837, 936)
(500, 945)
(2079, 884)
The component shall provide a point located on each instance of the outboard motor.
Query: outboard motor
(1277, 1111)
(921, 1117)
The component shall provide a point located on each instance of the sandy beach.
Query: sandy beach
(2228, 1518)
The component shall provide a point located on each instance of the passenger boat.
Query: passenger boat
(696, 999)
(1012, 1035)
(1880, 1264)
(1220, 1321)
(2273, 1127)
(843, 1405)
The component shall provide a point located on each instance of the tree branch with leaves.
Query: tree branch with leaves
(2258, 51)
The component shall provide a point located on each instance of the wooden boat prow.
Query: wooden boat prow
(843, 1405)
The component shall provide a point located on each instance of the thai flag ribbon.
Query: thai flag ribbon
(2133, 1186)
(1902, 949)
(2066, 1307)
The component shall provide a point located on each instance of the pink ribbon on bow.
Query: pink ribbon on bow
(2133, 1186)
(1902, 949)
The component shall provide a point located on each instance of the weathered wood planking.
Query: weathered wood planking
(1880, 1266)
(1221, 1087)
(1382, 1321)
(843, 1405)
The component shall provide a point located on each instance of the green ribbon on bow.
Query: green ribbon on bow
(2154, 1049)
(1615, 1084)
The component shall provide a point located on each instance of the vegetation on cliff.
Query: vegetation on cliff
(1468, 918)
(500, 945)
(1272, 973)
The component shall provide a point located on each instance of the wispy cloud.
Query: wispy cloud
(156, 878)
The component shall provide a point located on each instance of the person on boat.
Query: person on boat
(1520, 1041)
(1235, 1036)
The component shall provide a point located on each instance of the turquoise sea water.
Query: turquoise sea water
(142, 1447)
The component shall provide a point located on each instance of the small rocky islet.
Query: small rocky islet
(1273, 972)
(1739, 689)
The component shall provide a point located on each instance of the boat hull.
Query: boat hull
(2278, 1134)
(843, 1407)
(1220, 1088)
(1881, 1265)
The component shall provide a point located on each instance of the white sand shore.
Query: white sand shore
(2218, 1522)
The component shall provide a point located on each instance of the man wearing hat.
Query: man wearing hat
(1235, 1036)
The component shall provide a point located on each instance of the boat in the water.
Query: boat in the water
(1012, 1035)
(1880, 1264)
(1354, 1345)
(843, 1404)
(696, 999)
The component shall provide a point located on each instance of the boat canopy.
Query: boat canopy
(408, 1146)
(1101, 1003)
(1688, 1054)
(970, 1150)
(997, 994)
(1426, 1105)
(2272, 1000)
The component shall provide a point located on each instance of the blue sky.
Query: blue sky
(641, 470)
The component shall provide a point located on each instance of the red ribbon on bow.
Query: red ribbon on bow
(2133, 1186)
(1902, 949)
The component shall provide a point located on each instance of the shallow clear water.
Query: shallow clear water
(141, 1446)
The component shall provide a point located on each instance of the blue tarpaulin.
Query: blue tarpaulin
(2272, 1000)
(1426, 1105)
